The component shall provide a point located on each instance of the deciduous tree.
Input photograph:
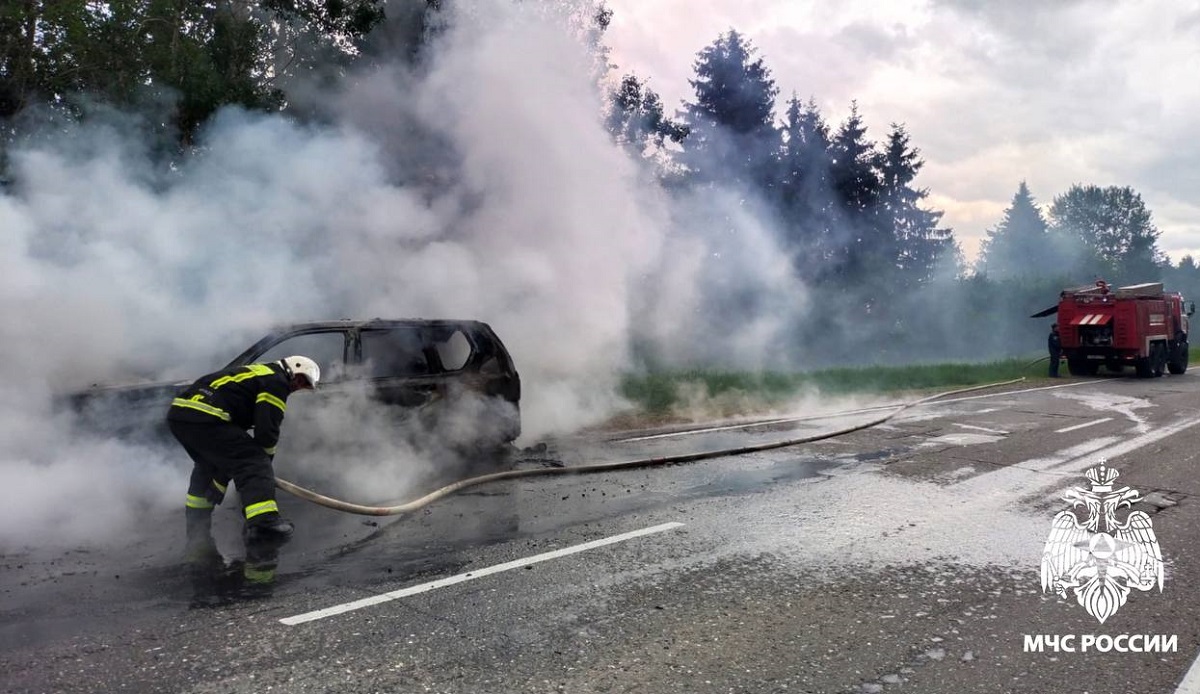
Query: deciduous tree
(139, 54)
(1115, 227)
(636, 119)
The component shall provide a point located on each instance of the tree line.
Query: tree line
(176, 62)
(1087, 232)
(860, 232)
(847, 207)
(885, 274)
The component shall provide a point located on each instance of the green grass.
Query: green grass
(661, 392)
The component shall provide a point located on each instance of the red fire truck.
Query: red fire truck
(1139, 325)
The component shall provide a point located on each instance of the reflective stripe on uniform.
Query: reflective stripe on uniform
(260, 508)
(202, 407)
(220, 487)
(271, 400)
(251, 370)
(270, 451)
(199, 502)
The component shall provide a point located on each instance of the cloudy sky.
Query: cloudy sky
(1053, 92)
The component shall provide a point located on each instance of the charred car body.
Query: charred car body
(421, 367)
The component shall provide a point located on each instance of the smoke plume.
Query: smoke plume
(480, 185)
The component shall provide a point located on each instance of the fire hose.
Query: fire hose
(419, 503)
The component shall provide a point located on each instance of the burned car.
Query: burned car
(424, 368)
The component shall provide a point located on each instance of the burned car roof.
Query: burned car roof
(478, 328)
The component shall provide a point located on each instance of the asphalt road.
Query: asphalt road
(905, 557)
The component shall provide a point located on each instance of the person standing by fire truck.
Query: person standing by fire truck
(1054, 344)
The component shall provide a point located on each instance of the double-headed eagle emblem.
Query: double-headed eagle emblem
(1101, 558)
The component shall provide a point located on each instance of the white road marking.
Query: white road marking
(972, 426)
(1130, 445)
(1087, 449)
(1191, 680)
(472, 575)
(786, 420)
(1082, 426)
(964, 439)
(1069, 462)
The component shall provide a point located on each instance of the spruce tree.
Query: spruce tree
(862, 246)
(732, 137)
(1021, 244)
(920, 246)
(805, 188)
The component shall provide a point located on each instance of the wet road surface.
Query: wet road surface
(900, 558)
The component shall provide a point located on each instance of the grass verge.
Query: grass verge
(659, 397)
(660, 393)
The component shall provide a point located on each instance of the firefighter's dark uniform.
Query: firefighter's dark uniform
(1054, 345)
(211, 418)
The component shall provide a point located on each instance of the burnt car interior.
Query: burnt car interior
(395, 352)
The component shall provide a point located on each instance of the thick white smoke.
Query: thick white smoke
(531, 220)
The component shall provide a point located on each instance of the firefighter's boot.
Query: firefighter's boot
(200, 547)
(258, 573)
(268, 529)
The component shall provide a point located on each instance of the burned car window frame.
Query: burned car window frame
(329, 372)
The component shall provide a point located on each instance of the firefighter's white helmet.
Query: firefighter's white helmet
(305, 367)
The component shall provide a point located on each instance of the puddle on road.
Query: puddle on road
(751, 480)
(220, 584)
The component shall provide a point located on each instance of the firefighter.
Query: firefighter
(211, 418)
(1054, 344)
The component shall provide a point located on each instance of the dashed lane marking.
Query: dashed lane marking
(1082, 426)
(1069, 462)
(1130, 445)
(472, 575)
